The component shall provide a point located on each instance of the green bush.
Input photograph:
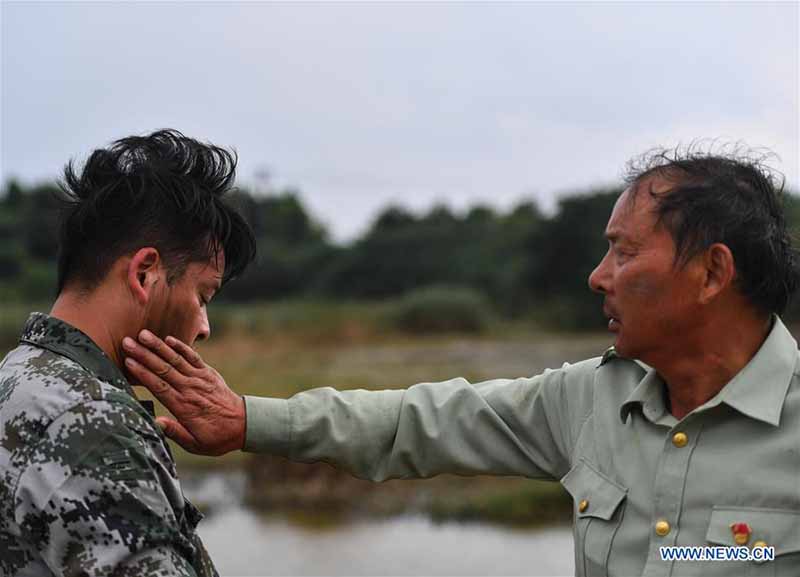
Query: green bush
(439, 309)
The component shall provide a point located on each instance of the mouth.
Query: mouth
(613, 320)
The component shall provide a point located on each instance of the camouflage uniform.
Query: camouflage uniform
(87, 483)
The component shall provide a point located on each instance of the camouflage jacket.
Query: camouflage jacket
(88, 485)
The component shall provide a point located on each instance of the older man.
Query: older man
(686, 433)
(88, 485)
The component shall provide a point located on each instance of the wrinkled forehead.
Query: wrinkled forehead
(634, 212)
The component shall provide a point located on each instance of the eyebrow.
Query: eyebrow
(615, 235)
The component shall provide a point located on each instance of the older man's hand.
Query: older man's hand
(210, 416)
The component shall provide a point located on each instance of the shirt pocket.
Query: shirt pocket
(779, 528)
(598, 508)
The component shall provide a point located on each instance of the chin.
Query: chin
(629, 350)
(623, 348)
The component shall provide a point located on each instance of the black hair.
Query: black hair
(731, 197)
(162, 190)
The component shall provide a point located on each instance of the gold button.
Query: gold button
(680, 439)
(662, 528)
(583, 505)
(760, 545)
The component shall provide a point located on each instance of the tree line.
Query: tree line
(522, 261)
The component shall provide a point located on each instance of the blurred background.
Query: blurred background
(429, 184)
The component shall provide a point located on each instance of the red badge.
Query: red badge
(741, 533)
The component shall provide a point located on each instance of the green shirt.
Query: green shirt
(602, 428)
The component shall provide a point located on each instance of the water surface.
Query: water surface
(244, 542)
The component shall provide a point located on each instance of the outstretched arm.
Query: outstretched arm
(501, 427)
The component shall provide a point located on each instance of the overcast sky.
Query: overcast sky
(361, 105)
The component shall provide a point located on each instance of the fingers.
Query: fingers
(163, 350)
(160, 359)
(186, 352)
(178, 433)
(161, 390)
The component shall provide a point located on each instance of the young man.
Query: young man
(88, 485)
(686, 434)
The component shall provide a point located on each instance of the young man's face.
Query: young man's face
(179, 309)
(649, 300)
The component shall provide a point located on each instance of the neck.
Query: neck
(91, 315)
(703, 362)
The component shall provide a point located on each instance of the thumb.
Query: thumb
(178, 433)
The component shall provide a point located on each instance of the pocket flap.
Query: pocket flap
(779, 528)
(601, 494)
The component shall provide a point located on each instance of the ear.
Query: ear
(719, 269)
(144, 273)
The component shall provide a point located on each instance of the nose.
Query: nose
(600, 278)
(205, 327)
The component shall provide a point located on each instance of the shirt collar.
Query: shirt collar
(758, 390)
(649, 395)
(55, 335)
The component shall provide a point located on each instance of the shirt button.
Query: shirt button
(662, 528)
(583, 505)
(680, 440)
(759, 545)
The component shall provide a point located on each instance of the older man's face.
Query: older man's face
(649, 301)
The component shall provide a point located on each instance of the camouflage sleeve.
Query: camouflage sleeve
(96, 498)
